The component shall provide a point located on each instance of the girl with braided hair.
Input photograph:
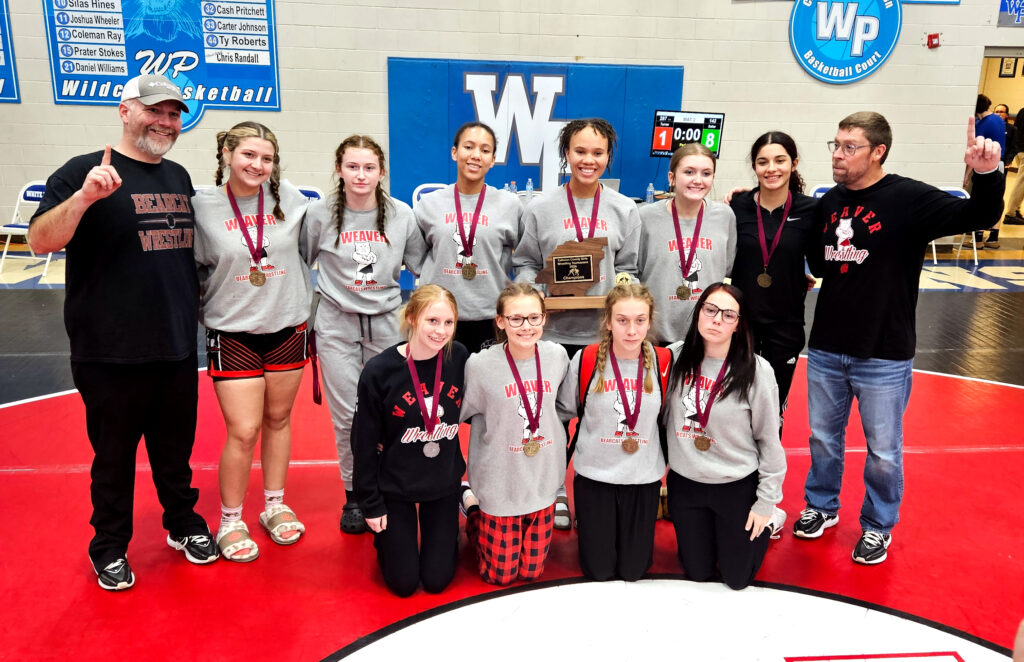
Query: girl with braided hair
(361, 237)
(619, 459)
(517, 461)
(255, 294)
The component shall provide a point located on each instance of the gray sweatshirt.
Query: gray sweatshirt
(599, 455)
(360, 273)
(505, 480)
(547, 224)
(659, 263)
(497, 233)
(228, 302)
(744, 434)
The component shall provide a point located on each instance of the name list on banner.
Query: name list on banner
(221, 54)
(9, 92)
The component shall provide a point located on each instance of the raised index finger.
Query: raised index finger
(970, 132)
(106, 156)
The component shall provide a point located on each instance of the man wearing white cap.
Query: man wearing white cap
(130, 311)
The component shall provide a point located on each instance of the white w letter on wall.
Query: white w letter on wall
(536, 133)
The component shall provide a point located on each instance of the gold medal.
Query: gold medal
(469, 271)
(702, 443)
(431, 449)
(630, 445)
(764, 280)
(531, 448)
(257, 278)
(682, 292)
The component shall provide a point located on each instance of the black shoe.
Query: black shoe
(872, 548)
(352, 520)
(1013, 219)
(117, 576)
(198, 549)
(812, 523)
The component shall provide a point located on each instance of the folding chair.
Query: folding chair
(422, 190)
(28, 200)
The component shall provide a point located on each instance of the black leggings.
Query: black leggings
(709, 520)
(616, 528)
(403, 563)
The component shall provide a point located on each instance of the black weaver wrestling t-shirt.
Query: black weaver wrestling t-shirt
(131, 289)
(873, 250)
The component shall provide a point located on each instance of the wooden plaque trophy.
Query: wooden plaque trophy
(571, 270)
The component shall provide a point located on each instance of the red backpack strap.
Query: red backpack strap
(664, 365)
(587, 363)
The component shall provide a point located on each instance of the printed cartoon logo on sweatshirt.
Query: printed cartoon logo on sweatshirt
(166, 219)
(460, 253)
(691, 428)
(622, 430)
(693, 275)
(364, 258)
(530, 395)
(845, 251)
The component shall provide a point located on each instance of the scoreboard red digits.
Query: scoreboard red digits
(673, 128)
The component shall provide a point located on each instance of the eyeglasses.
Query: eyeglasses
(516, 321)
(711, 311)
(849, 149)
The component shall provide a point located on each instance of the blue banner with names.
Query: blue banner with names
(8, 72)
(222, 54)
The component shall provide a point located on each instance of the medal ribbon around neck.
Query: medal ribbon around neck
(576, 218)
(631, 417)
(766, 252)
(253, 250)
(532, 418)
(467, 245)
(703, 417)
(429, 422)
(685, 263)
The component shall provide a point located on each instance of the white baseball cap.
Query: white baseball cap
(151, 89)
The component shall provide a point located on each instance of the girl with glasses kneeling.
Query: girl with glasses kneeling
(725, 458)
(517, 441)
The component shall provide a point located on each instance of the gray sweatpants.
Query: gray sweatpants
(344, 342)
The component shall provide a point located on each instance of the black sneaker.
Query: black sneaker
(872, 548)
(116, 576)
(198, 549)
(812, 523)
(1013, 219)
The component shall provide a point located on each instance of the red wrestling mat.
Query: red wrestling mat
(955, 559)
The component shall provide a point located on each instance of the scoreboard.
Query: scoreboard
(673, 128)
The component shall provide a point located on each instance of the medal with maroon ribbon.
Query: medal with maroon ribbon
(703, 442)
(576, 218)
(630, 444)
(256, 277)
(763, 279)
(431, 448)
(531, 446)
(468, 268)
(683, 292)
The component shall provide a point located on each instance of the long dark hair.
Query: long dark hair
(740, 358)
(796, 182)
(383, 199)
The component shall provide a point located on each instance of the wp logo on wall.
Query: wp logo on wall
(527, 104)
(842, 42)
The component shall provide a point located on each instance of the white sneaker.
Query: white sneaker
(776, 523)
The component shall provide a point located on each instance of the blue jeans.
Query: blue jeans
(882, 389)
